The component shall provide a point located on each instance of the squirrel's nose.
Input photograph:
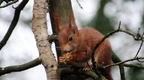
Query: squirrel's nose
(67, 48)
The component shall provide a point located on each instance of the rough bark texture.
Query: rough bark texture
(60, 11)
(39, 28)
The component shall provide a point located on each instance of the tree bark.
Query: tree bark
(39, 28)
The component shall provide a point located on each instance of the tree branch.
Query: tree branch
(52, 38)
(13, 23)
(134, 66)
(10, 2)
(116, 59)
(136, 37)
(122, 63)
(17, 68)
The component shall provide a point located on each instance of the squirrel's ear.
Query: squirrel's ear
(57, 25)
(72, 24)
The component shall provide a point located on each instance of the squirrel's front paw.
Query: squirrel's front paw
(66, 58)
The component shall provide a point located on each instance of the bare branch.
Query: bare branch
(52, 38)
(13, 23)
(79, 4)
(9, 3)
(116, 59)
(17, 68)
(139, 47)
(137, 38)
(121, 63)
(134, 66)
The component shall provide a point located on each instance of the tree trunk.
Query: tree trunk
(39, 28)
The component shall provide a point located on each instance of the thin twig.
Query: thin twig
(79, 4)
(139, 47)
(135, 37)
(121, 63)
(9, 3)
(52, 38)
(96, 47)
(13, 23)
(133, 66)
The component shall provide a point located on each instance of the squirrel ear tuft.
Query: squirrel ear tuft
(72, 24)
(58, 22)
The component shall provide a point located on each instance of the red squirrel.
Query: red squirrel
(77, 46)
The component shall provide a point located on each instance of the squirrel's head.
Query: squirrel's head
(68, 37)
